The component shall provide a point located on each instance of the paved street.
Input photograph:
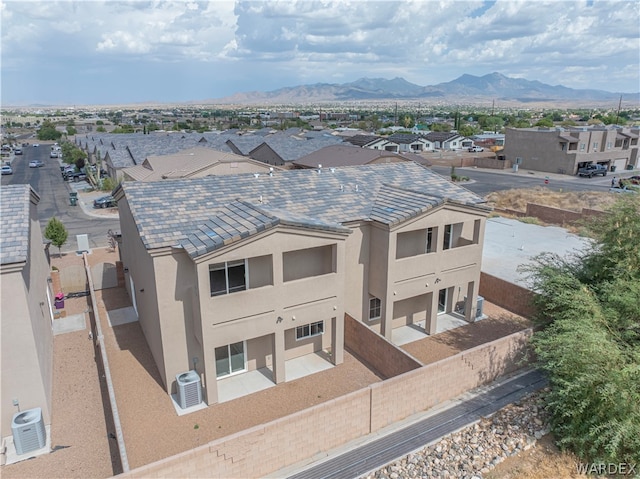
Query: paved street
(54, 197)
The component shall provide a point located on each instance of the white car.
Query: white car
(35, 164)
(53, 154)
(36, 145)
(6, 170)
(473, 149)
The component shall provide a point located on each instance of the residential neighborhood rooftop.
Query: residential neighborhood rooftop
(14, 223)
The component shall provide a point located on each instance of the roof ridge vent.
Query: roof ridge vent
(333, 170)
(319, 168)
(270, 171)
(256, 175)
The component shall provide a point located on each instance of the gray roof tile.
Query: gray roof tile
(183, 212)
(15, 202)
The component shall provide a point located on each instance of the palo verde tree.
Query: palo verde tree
(589, 343)
(57, 233)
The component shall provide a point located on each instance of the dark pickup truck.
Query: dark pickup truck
(592, 170)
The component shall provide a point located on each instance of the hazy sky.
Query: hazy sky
(105, 52)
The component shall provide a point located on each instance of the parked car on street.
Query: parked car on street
(473, 149)
(17, 151)
(104, 202)
(7, 170)
(592, 170)
(35, 145)
(36, 164)
(53, 154)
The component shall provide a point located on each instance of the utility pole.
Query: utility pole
(619, 106)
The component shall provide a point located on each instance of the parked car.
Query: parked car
(592, 170)
(473, 149)
(104, 202)
(25, 144)
(35, 145)
(7, 170)
(53, 154)
(635, 180)
(35, 164)
(17, 151)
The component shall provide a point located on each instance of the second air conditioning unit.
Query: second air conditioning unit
(189, 389)
(29, 433)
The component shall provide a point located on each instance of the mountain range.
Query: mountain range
(465, 89)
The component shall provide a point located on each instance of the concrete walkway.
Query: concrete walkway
(358, 458)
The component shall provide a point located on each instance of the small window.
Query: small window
(582, 146)
(446, 243)
(595, 145)
(431, 245)
(375, 309)
(309, 330)
(228, 277)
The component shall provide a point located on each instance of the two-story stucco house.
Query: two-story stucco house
(233, 273)
(565, 151)
(26, 370)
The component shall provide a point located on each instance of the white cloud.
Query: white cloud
(258, 45)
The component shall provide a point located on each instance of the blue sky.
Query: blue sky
(113, 52)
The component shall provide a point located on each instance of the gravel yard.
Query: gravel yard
(81, 428)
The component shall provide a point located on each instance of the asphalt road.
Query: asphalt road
(487, 181)
(54, 192)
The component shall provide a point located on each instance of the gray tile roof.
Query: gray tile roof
(205, 213)
(15, 201)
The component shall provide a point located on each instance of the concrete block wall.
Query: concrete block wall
(421, 389)
(509, 296)
(375, 350)
(269, 447)
(286, 441)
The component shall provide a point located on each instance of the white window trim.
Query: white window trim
(310, 325)
(234, 373)
(226, 276)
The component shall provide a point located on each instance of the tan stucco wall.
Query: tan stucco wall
(541, 150)
(26, 333)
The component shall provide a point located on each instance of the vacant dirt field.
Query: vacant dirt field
(517, 199)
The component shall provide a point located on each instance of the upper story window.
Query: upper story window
(228, 277)
(609, 145)
(375, 308)
(431, 240)
(309, 330)
(582, 146)
(595, 145)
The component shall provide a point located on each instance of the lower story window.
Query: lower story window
(374, 308)
(230, 359)
(311, 329)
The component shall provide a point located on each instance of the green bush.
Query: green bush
(107, 184)
(589, 342)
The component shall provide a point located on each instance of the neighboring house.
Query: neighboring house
(411, 143)
(373, 142)
(442, 140)
(234, 273)
(276, 148)
(193, 163)
(348, 155)
(559, 150)
(25, 310)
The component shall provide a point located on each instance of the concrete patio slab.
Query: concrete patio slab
(74, 322)
(415, 332)
(117, 317)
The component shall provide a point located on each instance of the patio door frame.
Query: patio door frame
(244, 360)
